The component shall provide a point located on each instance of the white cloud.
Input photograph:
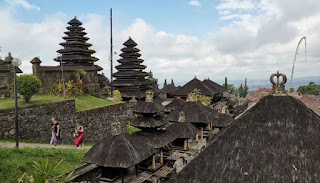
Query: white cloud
(194, 3)
(24, 4)
(236, 4)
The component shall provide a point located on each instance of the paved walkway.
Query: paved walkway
(30, 145)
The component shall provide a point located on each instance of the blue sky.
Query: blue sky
(178, 38)
(174, 16)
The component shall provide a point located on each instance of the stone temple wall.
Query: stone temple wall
(53, 74)
(35, 121)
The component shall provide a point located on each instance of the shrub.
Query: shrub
(116, 95)
(71, 89)
(43, 173)
(28, 85)
(197, 96)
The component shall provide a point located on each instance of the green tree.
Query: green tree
(240, 90)
(116, 94)
(230, 87)
(197, 96)
(245, 92)
(28, 85)
(310, 89)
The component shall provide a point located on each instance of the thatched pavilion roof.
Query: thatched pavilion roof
(277, 140)
(195, 112)
(156, 139)
(184, 130)
(169, 89)
(118, 151)
(191, 86)
(218, 89)
(147, 108)
(175, 104)
(148, 122)
(223, 120)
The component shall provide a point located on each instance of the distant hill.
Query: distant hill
(256, 84)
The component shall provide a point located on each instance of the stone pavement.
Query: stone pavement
(31, 145)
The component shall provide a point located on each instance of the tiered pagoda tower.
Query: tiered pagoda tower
(130, 78)
(75, 56)
(150, 119)
(76, 51)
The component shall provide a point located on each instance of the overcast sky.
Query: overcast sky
(178, 38)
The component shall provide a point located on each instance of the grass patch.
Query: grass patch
(14, 162)
(83, 102)
(132, 129)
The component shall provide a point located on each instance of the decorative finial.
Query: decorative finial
(129, 37)
(182, 117)
(149, 96)
(195, 76)
(116, 128)
(278, 87)
(75, 17)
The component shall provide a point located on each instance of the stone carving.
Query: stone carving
(116, 128)
(182, 117)
(149, 96)
(278, 87)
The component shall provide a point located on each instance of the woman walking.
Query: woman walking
(79, 134)
(56, 130)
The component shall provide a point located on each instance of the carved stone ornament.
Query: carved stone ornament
(116, 128)
(182, 117)
(149, 96)
(278, 87)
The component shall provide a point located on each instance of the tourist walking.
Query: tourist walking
(56, 131)
(79, 134)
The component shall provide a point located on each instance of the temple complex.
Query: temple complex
(130, 78)
(6, 76)
(74, 56)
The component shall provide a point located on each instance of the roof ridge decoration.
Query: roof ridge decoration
(182, 117)
(149, 96)
(278, 87)
(116, 128)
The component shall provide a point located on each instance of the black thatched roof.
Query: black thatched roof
(35, 60)
(74, 21)
(148, 122)
(169, 89)
(147, 108)
(277, 140)
(195, 112)
(218, 89)
(119, 151)
(75, 50)
(191, 86)
(175, 104)
(183, 130)
(130, 43)
(156, 139)
(223, 120)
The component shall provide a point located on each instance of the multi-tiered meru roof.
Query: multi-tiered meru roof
(130, 78)
(76, 49)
